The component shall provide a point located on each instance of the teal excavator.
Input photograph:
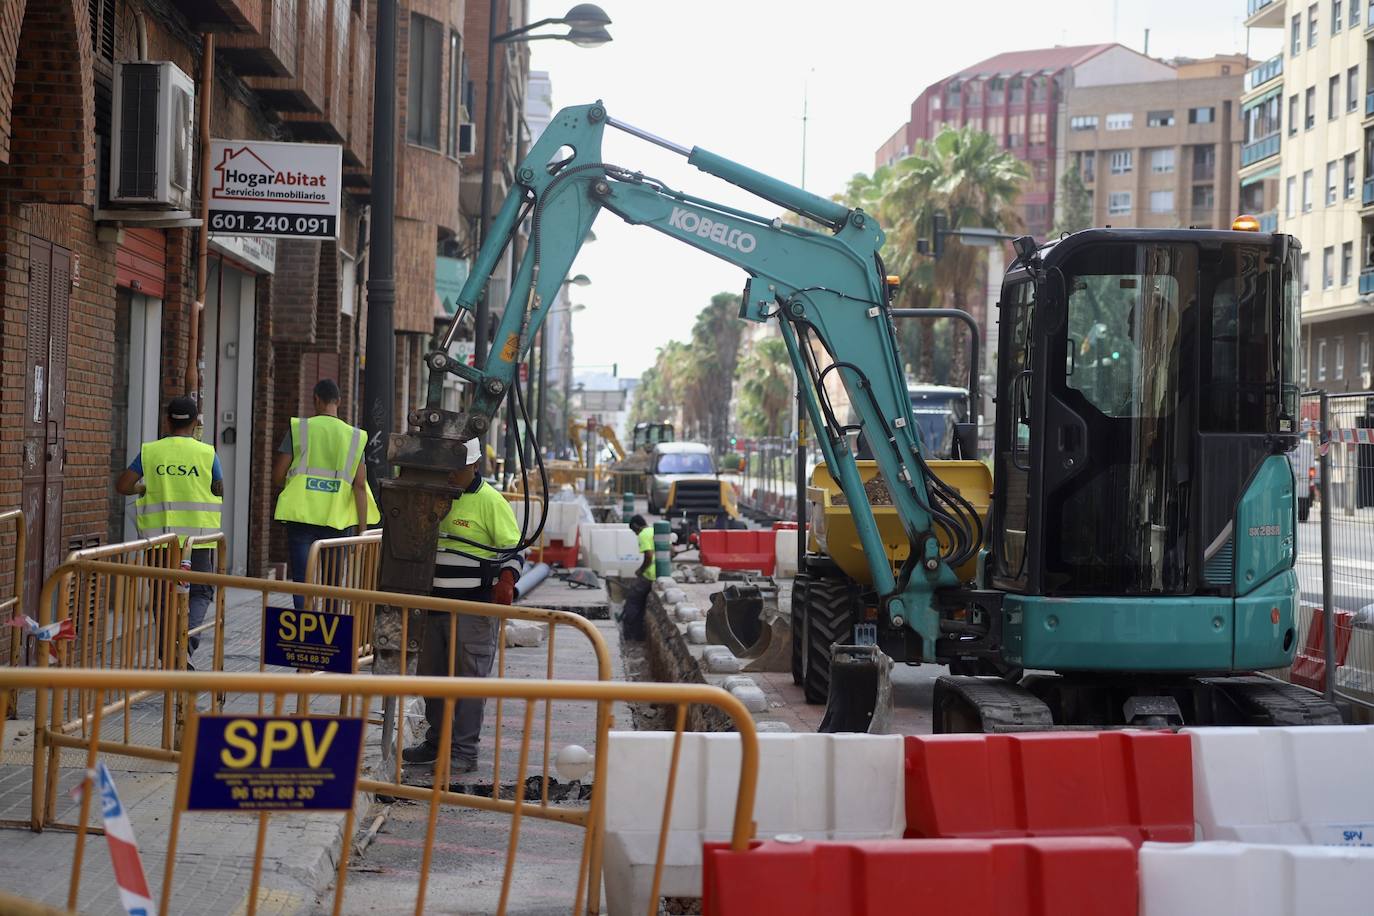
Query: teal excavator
(1136, 565)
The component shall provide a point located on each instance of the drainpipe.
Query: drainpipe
(193, 341)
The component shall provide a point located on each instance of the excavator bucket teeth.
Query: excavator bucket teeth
(727, 622)
(860, 697)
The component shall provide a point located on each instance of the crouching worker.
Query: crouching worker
(463, 570)
(637, 590)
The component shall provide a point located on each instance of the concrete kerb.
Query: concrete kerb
(677, 651)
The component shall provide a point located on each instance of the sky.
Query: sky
(731, 76)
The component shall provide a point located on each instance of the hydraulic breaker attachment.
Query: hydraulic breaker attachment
(860, 691)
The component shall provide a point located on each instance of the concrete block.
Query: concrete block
(524, 633)
(710, 574)
(751, 696)
(772, 726)
(686, 613)
(696, 632)
(739, 680)
(720, 660)
(663, 583)
(673, 596)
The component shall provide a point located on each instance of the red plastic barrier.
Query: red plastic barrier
(1133, 785)
(557, 553)
(1026, 877)
(1309, 663)
(738, 549)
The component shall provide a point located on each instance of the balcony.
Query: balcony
(1258, 75)
(1369, 104)
(1368, 197)
(330, 124)
(270, 51)
(304, 89)
(1251, 153)
(1369, 19)
(1366, 281)
(223, 15)
(1263, 14)
(1269, 222)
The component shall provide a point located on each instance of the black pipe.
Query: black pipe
(975, 345)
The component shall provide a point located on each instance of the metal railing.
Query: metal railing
(1269, 222)
(361, 693)
(55, 726)
(350, 562)
(1263, 148)
(1260, 74)
(1366, 281)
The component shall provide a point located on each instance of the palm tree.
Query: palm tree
(715, 346)
(964, 173)
(765, 389)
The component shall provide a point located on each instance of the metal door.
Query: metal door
(45, 411)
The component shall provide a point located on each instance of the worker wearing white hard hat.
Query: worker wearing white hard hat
(472, 563)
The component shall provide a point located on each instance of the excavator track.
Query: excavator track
(1257, 700)
(986, 705)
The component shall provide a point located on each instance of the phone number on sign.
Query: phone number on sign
(271, 224)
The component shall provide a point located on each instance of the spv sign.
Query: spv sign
(308, 640)
(274, 763)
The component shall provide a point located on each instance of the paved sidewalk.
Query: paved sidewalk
(215, 851)
(470, 848)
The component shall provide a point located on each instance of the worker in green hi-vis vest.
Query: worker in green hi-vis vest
(321, 473)
(180, 489)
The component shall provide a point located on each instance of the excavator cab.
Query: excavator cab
(1143, 521)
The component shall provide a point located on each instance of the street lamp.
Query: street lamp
(586, 24)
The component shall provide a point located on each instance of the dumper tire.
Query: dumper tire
(831, 610)
(800, 585)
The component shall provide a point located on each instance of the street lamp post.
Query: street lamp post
(586, 24)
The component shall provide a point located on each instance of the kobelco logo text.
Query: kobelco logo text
(707, 228)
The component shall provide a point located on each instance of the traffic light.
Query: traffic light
(939, 228)
(733, 440)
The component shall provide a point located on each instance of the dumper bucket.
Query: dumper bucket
(860, 698)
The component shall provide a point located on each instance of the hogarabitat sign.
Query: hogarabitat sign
(281, 190)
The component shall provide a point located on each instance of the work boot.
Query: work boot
(420, 753)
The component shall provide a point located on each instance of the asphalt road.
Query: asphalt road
(1352, 542)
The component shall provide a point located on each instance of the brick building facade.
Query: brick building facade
(98, 301)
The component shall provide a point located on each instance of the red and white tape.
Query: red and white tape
(119, 833)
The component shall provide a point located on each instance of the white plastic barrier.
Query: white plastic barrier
(1284, 785)
(785, 553)
(823, 787)
(1356, 675)
(1246, 879)
(562, 522)
(609, 548)
(529, 524)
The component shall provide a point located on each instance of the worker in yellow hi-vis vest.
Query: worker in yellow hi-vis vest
(180, 489)
(320, 470)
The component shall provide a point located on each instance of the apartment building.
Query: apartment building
(1304, 151)
(1018, 98)
(1159, 154)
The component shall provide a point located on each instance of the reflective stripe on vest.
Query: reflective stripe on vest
(177, 473)
(319, 483)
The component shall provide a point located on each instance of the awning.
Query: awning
(1271, 172)
(449, 276)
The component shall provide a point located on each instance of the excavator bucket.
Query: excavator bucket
(860, 698)
(746, 620)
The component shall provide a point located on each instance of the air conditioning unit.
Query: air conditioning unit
(153, 126)
(467, 139)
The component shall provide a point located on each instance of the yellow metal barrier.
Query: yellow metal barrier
(57, 733)
(14, 604)
(351, 562)
(365, 691)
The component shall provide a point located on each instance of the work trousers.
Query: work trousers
(300, 536)
(475, 652)
(632, 618)
(198, 601)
